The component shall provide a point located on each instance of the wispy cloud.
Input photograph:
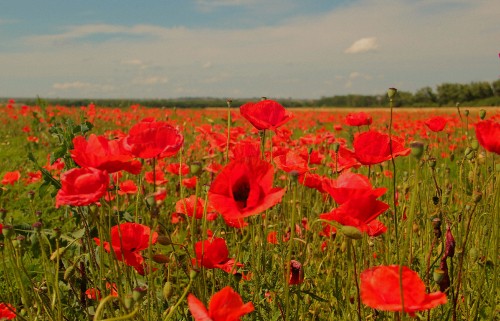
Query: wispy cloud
(363, 45)
(151, 80)
(71, 85)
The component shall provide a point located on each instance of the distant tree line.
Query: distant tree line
(481, 93)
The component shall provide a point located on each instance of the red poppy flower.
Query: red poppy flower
(357, 212)
(104, 154)
(10, 178)
(244, 188)
(296, 273)
(127, 187)
(33, 177)
(186, 206)
(291, 161)
(487, 134)
(82, 186)
(190, 182)
(380, 289)
(436, 124)
(155, 177)
(265, 114)
(373, 147)
(225, 305)
(272, 237)
(7, 311)
(350, 185)
(129, 241)
(177, 168)
(149, 139)
(213, 253)
(343, 159)
(358, 119)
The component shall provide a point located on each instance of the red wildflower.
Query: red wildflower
(343, 159)
(272, 237)
(225, 305)
(373, 147)
(488, 135)
(291, 161)
(186, 206)
(190, 182)
(149, 139)
(177, 168)
(357, 212)
(436, 124)
(155, 177)
(33, 177)
(10, 178)
(265, 114)
(358, 119)
(129, 241)
(127, 187)
(244, 188)
(7, 311)
(350, 185)
(82, 186)
(104, 154)
(380, 289)
(213, 253)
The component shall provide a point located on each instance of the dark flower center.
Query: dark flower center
(241, 190)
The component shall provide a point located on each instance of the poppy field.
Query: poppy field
(251, 212)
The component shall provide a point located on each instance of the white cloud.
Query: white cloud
(71, 85)
(363, 45)
(152, 80)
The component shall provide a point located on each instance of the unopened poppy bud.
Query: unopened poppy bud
(161, 258)
(163, 240)
(70, 271)
(193, 274)
(474, 254)
(167, 290)
(482, 114)
(474, 144)
(436, 222)
(31, 195)
(466, 112)
(438, 275)
(336, 147)
(195, 168)
(417, 149)
(296, 273)
(139, 292)
(391, 92)
(128, 302)
(477, 196)
(351, 232)
(37, 226)
(150, 200)
(432, 163)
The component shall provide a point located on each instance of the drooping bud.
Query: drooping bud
(449, 249)
(167, 290)
(296, 273)
(351, 232)
(391, 92)
(482, 114)
(417, 149)
(139, 292)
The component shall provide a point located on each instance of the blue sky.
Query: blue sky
(243, 48)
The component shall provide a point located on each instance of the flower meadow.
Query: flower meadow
(251, 212)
